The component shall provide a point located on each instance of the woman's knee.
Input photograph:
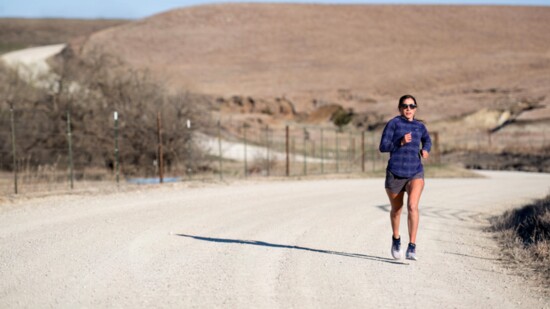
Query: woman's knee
(396, 210)
(412, 207)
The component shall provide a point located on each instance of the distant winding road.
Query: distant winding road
(32, 62)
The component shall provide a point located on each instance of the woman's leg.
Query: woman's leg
(414, 190)
(396, 201)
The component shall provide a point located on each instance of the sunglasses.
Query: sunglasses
(404, 106)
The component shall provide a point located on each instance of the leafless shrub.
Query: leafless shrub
(91, 89)
(261, 165)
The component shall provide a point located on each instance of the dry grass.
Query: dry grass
(524, 234)
(49, 180)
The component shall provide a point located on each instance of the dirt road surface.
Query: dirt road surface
(263, 244)
(33, 60)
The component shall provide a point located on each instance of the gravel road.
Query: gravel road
(32, 62)
(284, 244)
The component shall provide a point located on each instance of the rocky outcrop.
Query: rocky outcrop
(509, 115)
(490, 119)
(278, 107)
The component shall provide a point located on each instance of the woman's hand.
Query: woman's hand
(406, 139)
(425, 154)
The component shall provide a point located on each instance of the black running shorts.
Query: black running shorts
(398, 184)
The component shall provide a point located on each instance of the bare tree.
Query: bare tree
(91, 89)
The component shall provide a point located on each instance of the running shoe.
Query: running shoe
(396, 248)
(411, 252)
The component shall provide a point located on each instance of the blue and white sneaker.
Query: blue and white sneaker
(396, 248)
(411, 252)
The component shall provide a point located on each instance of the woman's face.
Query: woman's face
(408, 109)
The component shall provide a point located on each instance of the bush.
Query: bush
(342, 117)
(530, 223)
(91, 89)
(524, 234)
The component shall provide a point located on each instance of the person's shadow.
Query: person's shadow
(266, 244)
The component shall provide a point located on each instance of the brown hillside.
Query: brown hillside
(18, 33)
(454, 58)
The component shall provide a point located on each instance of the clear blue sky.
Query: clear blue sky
(143, 8)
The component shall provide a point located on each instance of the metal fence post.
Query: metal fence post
(337, 153)
(543, 138)
(220, 148)
(13, 150)
(305, 152)
(363, 151)
(267, 147)
(115, 115)
(322, 153)
(287, 151)
(161, 163)
(69, 138)
(351, 146)
(189, 151)
(436, 148)
(373, 149)
(245, 143)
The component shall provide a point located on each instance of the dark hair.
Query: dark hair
(403, 98)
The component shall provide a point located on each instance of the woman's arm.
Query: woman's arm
(387, 143)
(426, 143)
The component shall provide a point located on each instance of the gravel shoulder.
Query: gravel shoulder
(320, 243)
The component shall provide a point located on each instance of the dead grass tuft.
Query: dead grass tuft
(524, 234)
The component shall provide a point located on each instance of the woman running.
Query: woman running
(402, 138)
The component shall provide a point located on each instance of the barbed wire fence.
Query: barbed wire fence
(54, 161)
(298, 150)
